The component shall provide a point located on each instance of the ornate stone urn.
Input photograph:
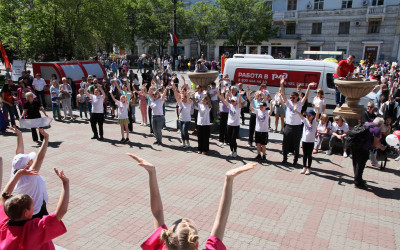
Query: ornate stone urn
(353, 89)
(203, 78)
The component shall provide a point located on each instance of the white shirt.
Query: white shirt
(65, 87)
(35, 187)
(203, 116)
(292, 118)
(344, 127)
(97, 104)
(184, 111)
(198, 97)
(234, 115)
(317, 102)
(81, 98)
(309, 130)
(122, 110)
(211, 92)
(262, 121)
(321, 127)
(157, 106)
(39, 84)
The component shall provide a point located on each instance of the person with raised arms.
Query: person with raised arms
(183, 234)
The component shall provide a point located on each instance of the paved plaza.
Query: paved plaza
(274, 207)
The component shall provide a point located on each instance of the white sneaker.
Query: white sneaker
(375, 165)
(329, 152)
(345, 155)
(221, 144)
(231, 154)
(182, 145)
(234, 154)
(187, 145)
(224, 144)
(249, 145)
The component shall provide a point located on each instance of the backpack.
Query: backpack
(357, 136)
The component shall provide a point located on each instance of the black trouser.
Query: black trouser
(203, 138)
(97, 118)
(233, 132)
(130, 127)
(252, 127)
(242, 114)
(223, 132)
(43, 211)
(40, 97)
(195, 113)
(149, 112)
(291, 141)
(308, 147)
(360, 158)
(35, 135)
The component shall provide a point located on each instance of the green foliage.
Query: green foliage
(61, 28)
(244, 21)
(153, 21)
(203, 20)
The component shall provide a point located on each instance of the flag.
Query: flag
(174, 39)
(4, 54)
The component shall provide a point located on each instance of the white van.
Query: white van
(255, 71)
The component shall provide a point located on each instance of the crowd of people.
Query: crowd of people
(224, 102)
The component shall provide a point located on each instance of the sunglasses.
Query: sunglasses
(369, 106)
(292, 97)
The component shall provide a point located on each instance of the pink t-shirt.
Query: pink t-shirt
(154, 242)
(34, 234)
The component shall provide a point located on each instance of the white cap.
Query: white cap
(21, 160)
(234, 98)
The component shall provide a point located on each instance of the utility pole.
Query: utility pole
(175, 45)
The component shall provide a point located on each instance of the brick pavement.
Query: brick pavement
(274, 207)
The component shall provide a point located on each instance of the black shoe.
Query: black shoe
(122, 140)
(284, 162)
(294, 164)
(361, 186)
(155, 143)
(264, 157)
(258, 157)
(101, 138)
(126, 140)
(94, 137)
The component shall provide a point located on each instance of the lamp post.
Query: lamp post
(175, 45)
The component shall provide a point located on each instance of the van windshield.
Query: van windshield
(329, 81)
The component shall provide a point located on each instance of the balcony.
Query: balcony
(376, 12)
(285, 16)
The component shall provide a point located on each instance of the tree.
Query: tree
(244, 22)
(203, 20)
(61, 28)
(153, 20)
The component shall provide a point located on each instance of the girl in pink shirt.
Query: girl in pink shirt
(143, 104)
(183, 234)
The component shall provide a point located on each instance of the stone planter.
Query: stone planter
(203, 78)
(353, 89)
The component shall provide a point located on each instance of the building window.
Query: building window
(347, 4)
(374, 26)
(316, 28)
(377, 2)
(344, 27)
(290, 28)
(292, 5)
(318, 4)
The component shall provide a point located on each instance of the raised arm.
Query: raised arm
(222, 98)
(62, 206)
(112, 96)
(164, 95)
(226, 200)
(240, 101)
(37, 163)
(155, 197)
(20, 140)
(9, 188)
(102, 91)
(307, 92)
(86, 92)
(297, 112)
(176, 94)
(283, 89)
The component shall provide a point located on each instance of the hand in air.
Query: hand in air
(25, 171)
(236, 171)
(142, 162)
(282, 80)
(15, 129)
(61, 175)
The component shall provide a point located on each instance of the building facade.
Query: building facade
(369, 29)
